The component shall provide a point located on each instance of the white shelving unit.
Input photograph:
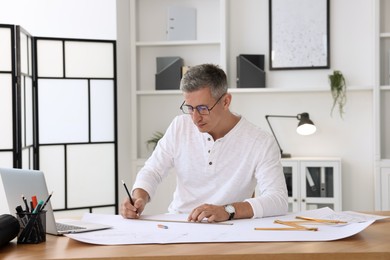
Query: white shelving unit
(382, 107)
(313, 183)
(148, 41)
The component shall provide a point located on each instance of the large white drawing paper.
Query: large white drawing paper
(129, 231)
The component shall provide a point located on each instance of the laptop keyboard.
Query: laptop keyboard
(66, 227)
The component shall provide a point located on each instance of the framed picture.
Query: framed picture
(299, 34)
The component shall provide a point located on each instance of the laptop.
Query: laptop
(18, 182)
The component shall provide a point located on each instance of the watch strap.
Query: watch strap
(230, 210)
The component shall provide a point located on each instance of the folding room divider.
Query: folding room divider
(58, 114)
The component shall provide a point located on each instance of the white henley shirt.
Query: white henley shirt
(220, 171)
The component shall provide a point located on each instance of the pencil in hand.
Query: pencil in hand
(128, 194)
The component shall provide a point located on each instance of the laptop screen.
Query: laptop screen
(18, 182)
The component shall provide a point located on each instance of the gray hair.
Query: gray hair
(205, 76)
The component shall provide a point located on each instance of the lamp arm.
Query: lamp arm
(273, 133)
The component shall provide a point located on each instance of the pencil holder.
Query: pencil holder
(32, 227)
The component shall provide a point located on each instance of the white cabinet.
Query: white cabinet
(313, 183)
(382, 107)
(385, 187)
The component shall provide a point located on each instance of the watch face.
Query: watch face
(230, 209)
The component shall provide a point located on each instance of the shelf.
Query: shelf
(256, 90)
(176, 43)
(158, 92)
(320, 200)
(312, 159)
(287, 90)
(384, 35)
(385, 87)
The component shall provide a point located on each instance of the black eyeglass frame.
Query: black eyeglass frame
(199, 108)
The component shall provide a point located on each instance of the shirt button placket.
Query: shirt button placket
(209, 150)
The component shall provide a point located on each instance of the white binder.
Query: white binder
(323, 183)
(181, 23)
(310, 180)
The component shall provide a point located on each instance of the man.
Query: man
(219, 158)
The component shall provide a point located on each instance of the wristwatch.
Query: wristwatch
(230, 210)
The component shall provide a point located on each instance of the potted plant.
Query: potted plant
(338, 90)
(154, 139)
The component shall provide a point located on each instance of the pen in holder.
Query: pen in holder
(32, 227)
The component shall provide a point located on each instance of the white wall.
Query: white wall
(86, 19)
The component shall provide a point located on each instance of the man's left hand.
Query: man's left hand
(210, 212)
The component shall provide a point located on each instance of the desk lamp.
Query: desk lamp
(305, 127)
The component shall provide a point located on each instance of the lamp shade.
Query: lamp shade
(305, 125)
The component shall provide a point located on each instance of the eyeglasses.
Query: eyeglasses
(202, 109)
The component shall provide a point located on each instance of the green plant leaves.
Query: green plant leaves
(154, 139)
(338, 89)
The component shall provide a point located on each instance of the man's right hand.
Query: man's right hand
(140, 198)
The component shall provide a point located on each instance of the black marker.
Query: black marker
(23, 217)
(25, 203)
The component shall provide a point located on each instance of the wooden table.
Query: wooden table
(371, 243)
